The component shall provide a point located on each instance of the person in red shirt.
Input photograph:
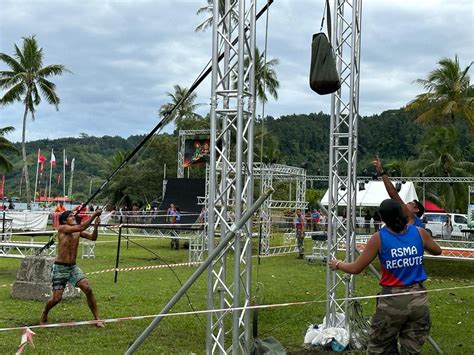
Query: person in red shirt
(57, 211)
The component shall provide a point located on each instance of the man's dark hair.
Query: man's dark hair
(421, 208)
(392, 214)
(63, 216)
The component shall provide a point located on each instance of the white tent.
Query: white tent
(375, 193)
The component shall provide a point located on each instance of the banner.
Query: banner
(195, 151)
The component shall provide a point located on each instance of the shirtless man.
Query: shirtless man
(412, 210)
(64, 268)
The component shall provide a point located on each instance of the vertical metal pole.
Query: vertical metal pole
(36, 178)
(201, 268)
(118, 251)
(238, 181)
(343, 143)
(50, 174)
(64, 173)
(212, 178)
(249, 182)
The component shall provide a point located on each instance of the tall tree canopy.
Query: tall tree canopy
(6, 146)
(186, 109)
(449, 95)
(27, 81)
(441, 156)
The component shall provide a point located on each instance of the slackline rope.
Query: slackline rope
(267, 306)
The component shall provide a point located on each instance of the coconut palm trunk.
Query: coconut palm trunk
(25, 161)
(27, 81)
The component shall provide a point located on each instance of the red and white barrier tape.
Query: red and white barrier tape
(134, 268)
(26, 337)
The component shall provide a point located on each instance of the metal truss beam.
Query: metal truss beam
(425, 179)
(232, 131)
(343, 151)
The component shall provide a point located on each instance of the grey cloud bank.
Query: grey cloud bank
(125, 55)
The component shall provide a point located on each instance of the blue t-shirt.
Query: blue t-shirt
(418, 222)
(401, 257)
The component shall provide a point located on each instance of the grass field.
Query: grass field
(276, 280)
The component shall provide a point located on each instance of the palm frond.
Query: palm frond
(13, 94)
(14, 65)
(47, 89)
(53, 69)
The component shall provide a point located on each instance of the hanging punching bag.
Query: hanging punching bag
(323, 77)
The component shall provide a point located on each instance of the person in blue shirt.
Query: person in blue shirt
(176, 218)
(400, 248)
(413, 210)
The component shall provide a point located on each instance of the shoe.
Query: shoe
(301, 256)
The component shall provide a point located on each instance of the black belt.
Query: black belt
(386, 288)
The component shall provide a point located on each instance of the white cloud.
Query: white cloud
(125, 56)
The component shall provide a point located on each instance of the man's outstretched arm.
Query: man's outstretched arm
(79, 227)
(92, 236)
(391, 190)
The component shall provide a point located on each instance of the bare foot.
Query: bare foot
(99, 323)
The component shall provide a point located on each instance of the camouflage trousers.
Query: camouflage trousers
(300, 241)
(404, 317)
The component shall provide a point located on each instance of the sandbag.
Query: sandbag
(324, 78)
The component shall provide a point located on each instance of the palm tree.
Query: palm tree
(449, 94)
(26, 81)
(265, 76)
(441, 156)
(185, 109)
(6, 146)
(209, 8)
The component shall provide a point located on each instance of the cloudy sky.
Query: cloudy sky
(126, 54)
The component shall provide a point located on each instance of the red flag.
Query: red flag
(66, 163)
(2, 186)
(53, 159)
(41, 158)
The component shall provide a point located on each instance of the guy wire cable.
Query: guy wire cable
(174, 273)
(167, 117)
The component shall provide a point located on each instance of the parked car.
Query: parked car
(436, 223)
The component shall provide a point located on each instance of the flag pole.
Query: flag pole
(64, 174)
(70, 180)
(37, 169)
(50, 173)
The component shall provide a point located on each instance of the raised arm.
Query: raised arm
(92, 236)
(68, 229)
(391, 190)
(428, 242)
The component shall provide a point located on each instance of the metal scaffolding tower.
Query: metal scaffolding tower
(268, 173)
(231, 173)
(343, 150)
